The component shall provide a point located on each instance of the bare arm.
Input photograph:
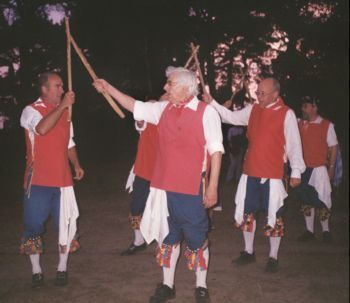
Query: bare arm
(124, 100)
(73, 158)
(211, 193)
(49, 121)
(332, 157)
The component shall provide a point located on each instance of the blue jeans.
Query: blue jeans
(42, 202)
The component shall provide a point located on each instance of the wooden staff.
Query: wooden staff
(198, 68)
(94, 77)
(69, 66)
(191, 57)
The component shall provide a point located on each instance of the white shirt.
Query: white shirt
(30, 118)
(151, 112)
(293, 147)
(154, 223)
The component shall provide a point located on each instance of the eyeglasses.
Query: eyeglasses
(263, 94)
(170, 83)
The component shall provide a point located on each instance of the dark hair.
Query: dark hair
(312, 100)
(43, 78)
(239, 98)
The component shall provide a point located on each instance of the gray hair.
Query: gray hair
(184, 77)
(276, 84)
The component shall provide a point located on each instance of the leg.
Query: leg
(137, 206)
(248, 226)
(195, 226)
(324, 214)
(36, 211)
(168, 253)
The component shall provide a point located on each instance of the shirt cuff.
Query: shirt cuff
(295, 173)
(215, 147)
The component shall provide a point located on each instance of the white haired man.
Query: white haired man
(273, 136)
(188, 130)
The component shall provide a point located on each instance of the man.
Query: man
(187, 129)
(273, 136)
(320, 145)
(48, 181)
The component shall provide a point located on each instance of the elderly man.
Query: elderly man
(48, 181)
(320, 144)
(273, 136)
(188, 130)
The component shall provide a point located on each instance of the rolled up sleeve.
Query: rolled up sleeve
(212, 131)
(148, 111)
(30, 118)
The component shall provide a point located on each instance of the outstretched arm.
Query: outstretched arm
(124, 100)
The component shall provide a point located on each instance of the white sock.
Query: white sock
(35, 260)
(249, 239)
(139, 240)
(325, 225)
(201, 275)
(169, 273)
(62, 264)
(274, 246)
(309, 220)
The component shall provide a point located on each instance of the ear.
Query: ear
(44, 89)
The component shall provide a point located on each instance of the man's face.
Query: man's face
(175, 92)
(266, 93)
(52, 91)
(308, 110)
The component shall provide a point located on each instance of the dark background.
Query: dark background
(130, 43)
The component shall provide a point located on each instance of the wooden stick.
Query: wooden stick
(69, 66)
(198, 68)
(191, 57)
(94, 77)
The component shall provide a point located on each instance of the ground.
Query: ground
(309, 273)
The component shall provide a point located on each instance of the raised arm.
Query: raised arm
(239, 117)
(48, 122)
(124, 100)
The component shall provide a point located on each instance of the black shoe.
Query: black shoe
(162, 294)
(37, 280)
(244, 259)
(271, 265)
(327, 237)
(306, 237)
(202, 295)
(61, 278)
(132, 249)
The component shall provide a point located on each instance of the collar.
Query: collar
(193, 104)
(278, 102)
(318, 120)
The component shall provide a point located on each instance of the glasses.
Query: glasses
(170, 83)
(263, 94)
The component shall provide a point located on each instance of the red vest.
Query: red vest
(180, 152)
(48, 156)
(265, 153)
(314, 141)
(146, 152)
